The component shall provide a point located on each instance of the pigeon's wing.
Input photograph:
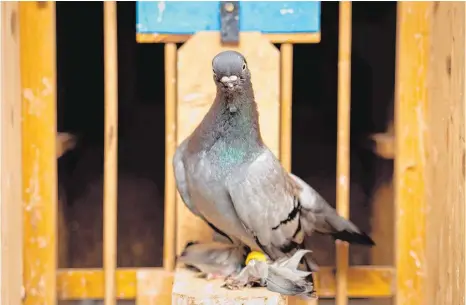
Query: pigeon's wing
(180, 177)
(317, 215)
(279, 209)
(266, 200)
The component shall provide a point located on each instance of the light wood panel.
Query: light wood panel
(10, 160)
(445, 156)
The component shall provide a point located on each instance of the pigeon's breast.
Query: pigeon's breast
(206, 182)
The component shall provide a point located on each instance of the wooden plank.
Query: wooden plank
(366, 282)
(343, 143)
(38, 80)
(196, 92)
(169, 238)
(154, 287)
(190, 289)
(111, 150)
(10, 161)
(274, 38)
(445, 157)
(279, 17)
(411, 92)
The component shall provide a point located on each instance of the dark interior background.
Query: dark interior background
(141, 126)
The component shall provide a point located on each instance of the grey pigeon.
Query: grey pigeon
(214, 259)
(228, 177)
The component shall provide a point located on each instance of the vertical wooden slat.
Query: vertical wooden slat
(38, 80)
(286, 94)
(343, 137)
(286, 97)
(411, 91)
(169, 243)
(111, 150)
(10, 162)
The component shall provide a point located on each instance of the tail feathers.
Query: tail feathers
(354, 238)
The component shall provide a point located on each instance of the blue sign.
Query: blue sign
(189, 17)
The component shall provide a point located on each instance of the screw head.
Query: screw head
(229, 7)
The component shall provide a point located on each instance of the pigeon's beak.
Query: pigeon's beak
(229, 81)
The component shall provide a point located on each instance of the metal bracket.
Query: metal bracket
(229, 22)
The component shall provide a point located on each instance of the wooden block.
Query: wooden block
(189, 289)
(196, 92)
(154, 287)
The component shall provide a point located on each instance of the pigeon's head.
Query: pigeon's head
(231, 71)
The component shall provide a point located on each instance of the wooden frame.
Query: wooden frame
(274, 38)
(415, 187)
(10, 161)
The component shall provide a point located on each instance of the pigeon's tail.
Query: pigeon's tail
(344, 230)
(358, 238)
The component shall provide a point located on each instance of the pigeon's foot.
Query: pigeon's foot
(255, 272)
(285, 278)
(214, 276)
(237, 281)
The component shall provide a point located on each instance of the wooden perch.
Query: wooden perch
(65, 142)
(384, 145)
(385, 142)
(188, 288)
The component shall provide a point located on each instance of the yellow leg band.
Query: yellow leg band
(258, 256)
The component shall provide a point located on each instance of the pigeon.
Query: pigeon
(214, 260)
(227, 176)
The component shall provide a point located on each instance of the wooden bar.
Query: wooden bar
(286, 95)
(411, 91)
(38, 80)
(75, 284)
(169, 240)
(274, 38)
(11, 225)
(343, 143)
(111, 150)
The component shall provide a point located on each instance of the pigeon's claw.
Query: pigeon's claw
(239, 280)
(256, 271)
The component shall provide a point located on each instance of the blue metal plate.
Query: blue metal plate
(189, 17)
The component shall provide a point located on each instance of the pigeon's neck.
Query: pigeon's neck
(233, 119)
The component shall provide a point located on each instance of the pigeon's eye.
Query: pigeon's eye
(244, 66)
